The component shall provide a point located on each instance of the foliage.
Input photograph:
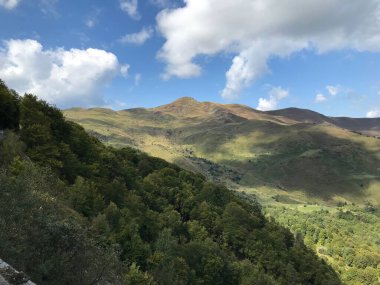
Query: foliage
(10, 108)
(347, 239)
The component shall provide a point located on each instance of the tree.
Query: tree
(136, 277)
(11, 147)
(9, 108)
(85, 198)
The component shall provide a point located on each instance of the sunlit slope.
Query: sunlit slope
(293, 150)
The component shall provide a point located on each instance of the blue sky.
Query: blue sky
(132, 53)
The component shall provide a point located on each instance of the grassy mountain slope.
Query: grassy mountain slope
(291, 150)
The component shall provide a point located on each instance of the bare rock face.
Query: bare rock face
(10, 276)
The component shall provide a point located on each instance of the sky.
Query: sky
(320, 55)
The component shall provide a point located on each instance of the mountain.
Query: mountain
(74, 211)
(296, 152)
(190, 108)
(369, 126)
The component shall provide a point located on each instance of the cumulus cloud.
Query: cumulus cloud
(59, 76)
(276, 94)
(320, 98)
(254, 31)
(374, 113)
(138, 38)
(131, 8)
(9, 4)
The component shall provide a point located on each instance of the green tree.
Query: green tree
(9, 108)
(136, 277)
(84, 197)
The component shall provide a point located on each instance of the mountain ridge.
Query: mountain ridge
(189, 107)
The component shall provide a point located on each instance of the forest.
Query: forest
(347, 238)
(74, 211)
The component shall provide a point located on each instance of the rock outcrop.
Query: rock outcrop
(10, 276)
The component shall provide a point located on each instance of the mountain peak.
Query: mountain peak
(186, 106)
(186, 100)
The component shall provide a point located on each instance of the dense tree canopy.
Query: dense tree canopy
(347, 238)
(74, 211)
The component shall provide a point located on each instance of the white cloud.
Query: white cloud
(374, 113)
(124, 70)
(255, 31)
(164, 3)
(9, 4)
(59, 76)
(92, 19)
(49, 8)
(276, 94)
(131, 8)
(334, 90)
(138, 38)
(320, 98)
(138, 77)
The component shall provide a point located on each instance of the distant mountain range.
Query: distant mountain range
(290, 150)
(370, 126)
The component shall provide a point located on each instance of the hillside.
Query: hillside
(74, 211)
(299, 151)
(316, 175)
